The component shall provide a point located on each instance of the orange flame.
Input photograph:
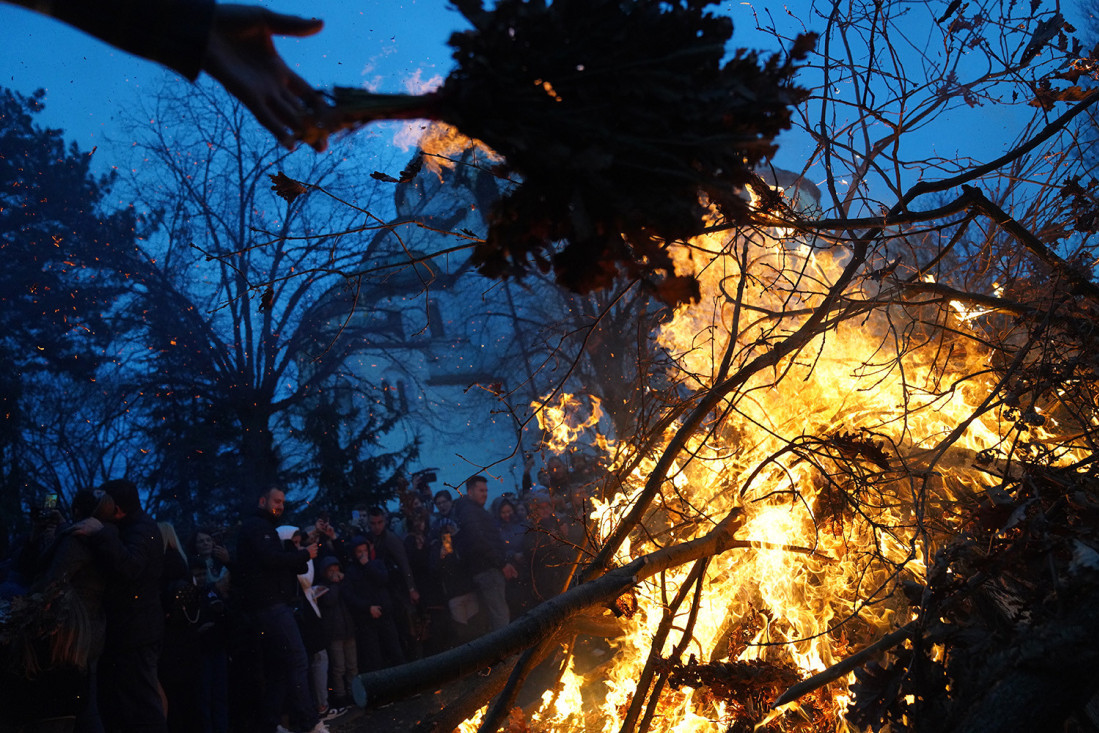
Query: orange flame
(566, 419)
(845, 458)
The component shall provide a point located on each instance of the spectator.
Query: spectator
(431, 615)
(389, 548)
(213, 584)
(179, 668)
(401, 583)
(365, 591)
(308, 615)
(421, 484)
(510, 528)
(513, 535)
(329, 537)
(548, 556)
(343, 655)
(456, 587)
(214, 556)
(443, 517)
(482, 552)
(213, 646)
(70, 562)
(266, 577)
(131, 553)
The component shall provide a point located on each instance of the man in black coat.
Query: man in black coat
(131, 553)
(481, 549)
(265, 576)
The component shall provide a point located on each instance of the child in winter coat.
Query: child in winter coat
(340, 630)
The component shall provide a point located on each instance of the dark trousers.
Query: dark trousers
(286, 668)
(129, 693)
(213, 698)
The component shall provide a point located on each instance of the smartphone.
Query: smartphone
(355, 515)
(50, 502)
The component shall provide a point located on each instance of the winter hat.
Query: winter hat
(328, 562)
(286, 532)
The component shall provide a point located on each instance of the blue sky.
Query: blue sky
(378, 42)
(384, 44)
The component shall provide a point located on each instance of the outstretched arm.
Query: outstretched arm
(232, 43)
(242, 56)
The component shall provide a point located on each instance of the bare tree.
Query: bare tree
(883, 405)
(238, 325)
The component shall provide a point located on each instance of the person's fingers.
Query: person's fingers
(292, 25)
(287, 108)
(266, 117)
(304, 90)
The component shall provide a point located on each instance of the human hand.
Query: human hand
(242, 57)
(510, 573)
(313, 549)
(414, 595)
(221, 554)
(376, 611)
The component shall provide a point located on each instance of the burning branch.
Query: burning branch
(374, 688)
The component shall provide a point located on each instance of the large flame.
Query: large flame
(849, 458)
(846, 457)
(565, 418)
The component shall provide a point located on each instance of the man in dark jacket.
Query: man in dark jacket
(365, 588)
(266, 578)
(482, 552)
(131, 553)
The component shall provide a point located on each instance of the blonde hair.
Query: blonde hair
(171, 540)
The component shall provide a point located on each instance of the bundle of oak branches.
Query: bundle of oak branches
(619, 117)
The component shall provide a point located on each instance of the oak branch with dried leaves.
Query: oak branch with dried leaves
(863, 489)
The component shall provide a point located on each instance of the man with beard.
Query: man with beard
(266, 578)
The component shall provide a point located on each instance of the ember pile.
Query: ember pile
(616, 116)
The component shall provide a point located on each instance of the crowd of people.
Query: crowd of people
(264, 626)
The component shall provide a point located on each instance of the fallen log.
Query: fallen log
(483, 654)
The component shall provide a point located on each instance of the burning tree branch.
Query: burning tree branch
(544, 621)
(891, 392)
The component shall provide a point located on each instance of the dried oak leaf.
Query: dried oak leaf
(856, 446)
(1045, 96)
(267, 300)
(287, 187)
(876, 699)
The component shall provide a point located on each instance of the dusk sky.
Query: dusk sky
(384, 45)
(381, 44)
